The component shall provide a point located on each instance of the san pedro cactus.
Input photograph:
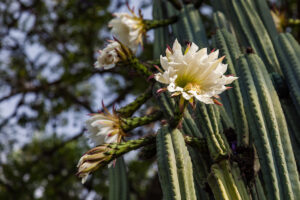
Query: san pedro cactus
(118, 181)
(215, 141)
(175, 165)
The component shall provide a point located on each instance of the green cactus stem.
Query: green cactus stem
(220, 22)
(175, 166)
(151, 24)
(222, 183)
(176, 4)
(207, 119)
(179, 112)
(197, 142)
(106, 153)
(135, 64)
(118, 182)
(128, 124)
(228, 46)
(129, 109)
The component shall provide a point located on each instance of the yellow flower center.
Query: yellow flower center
(188, 83)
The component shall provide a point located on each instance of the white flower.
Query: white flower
(90, 161)
(194, 73)
(129, 29)
(104, 128)
(108, 56)
(84, 168)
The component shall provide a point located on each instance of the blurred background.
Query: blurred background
(48, 86)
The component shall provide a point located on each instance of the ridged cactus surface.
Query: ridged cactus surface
(175, 165)
(244, 143)
(118, 189)
(256, 113)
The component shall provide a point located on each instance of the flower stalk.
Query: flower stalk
(128, 124)
(139, 67)
(152, 24)
(104, 154)
(129, 109)
(179, 112)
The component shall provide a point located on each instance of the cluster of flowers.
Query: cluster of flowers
(104, 127)
(194, 74)
(128, 30)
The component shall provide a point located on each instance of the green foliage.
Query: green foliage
(49, 171)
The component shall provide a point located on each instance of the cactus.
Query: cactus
(221, 22)
(222, 182)
(175, 165)
(118, 189)
(266, 17)
(288, 51)
(269, 129)
(247, 148)
(228, 46)
(251, 31)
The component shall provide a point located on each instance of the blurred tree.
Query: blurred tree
(47, 85)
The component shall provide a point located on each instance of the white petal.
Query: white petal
(84, 178)
(186, 96)
(204, 72)
(191, 52)
(128, 29)
(230, 79)
(213, 56)
(111, 139)
(177, 51)
(164, 62)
